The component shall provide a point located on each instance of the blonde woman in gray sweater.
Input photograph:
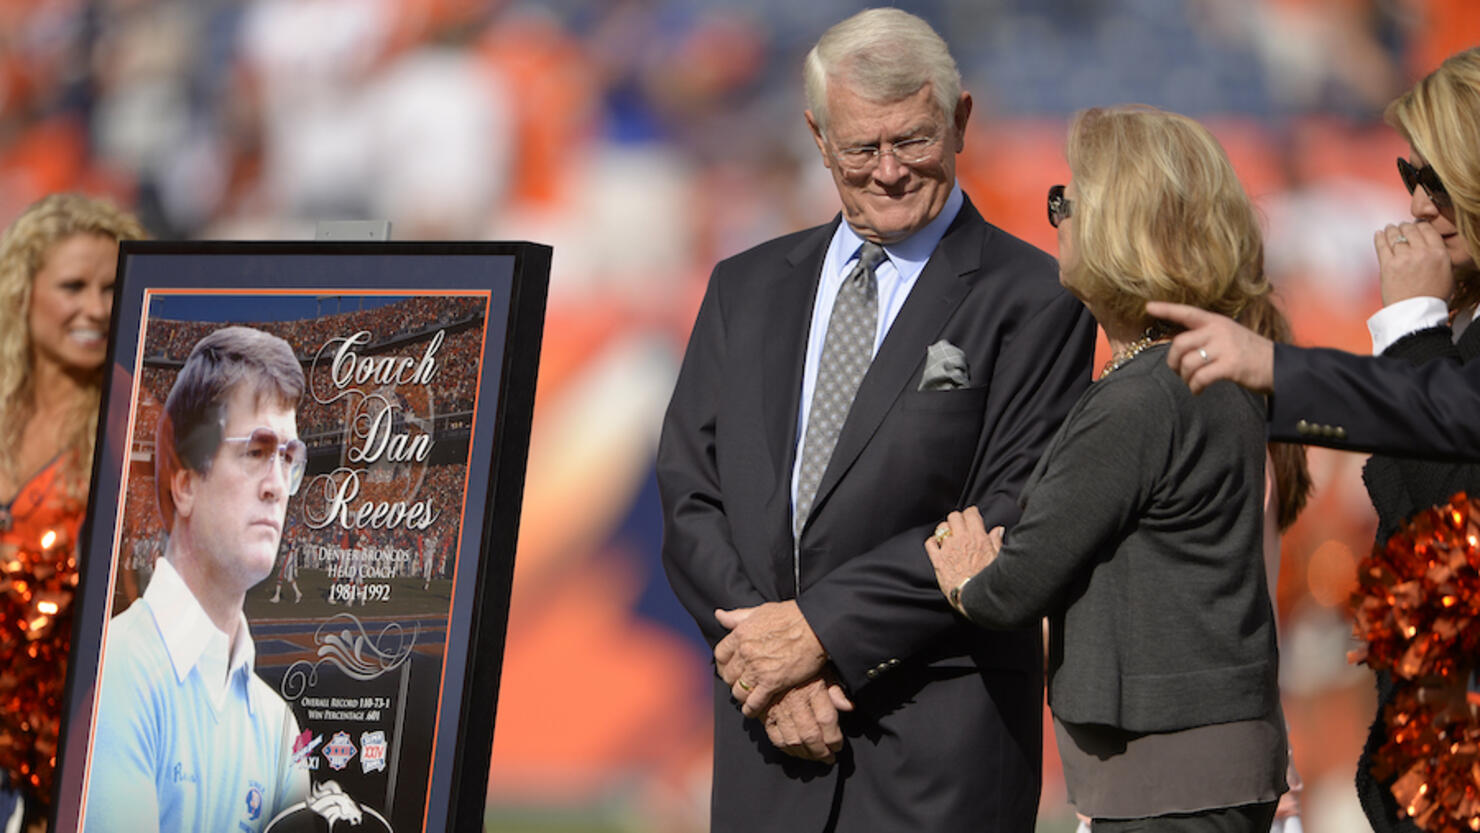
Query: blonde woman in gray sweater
(1141, 537)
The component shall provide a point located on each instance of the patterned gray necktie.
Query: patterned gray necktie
(847, 351)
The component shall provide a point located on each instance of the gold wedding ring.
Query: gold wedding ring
(942, 532)
(743, 684)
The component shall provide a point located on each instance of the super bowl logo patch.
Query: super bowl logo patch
(303, 749)
(254, 800)
(339, 750)
(372, 751)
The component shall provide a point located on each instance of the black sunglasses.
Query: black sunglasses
(1059, 206)
(1426, 178)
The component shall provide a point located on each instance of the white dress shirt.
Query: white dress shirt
(1394, 321)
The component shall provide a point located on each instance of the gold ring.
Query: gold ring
(742, 684)
(942, 532)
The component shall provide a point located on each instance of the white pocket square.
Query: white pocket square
(945, 367)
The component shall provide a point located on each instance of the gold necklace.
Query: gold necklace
(1153, 335)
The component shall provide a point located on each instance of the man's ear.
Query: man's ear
(182, 491)
(817, 137)
(963, 115)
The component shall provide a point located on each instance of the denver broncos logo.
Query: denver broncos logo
(329, 801)
(328, 808)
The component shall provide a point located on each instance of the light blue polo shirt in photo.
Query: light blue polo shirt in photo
(189, 739)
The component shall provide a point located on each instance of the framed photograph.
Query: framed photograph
(296, 563)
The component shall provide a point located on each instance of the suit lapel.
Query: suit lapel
(937, 292)
(790, 297)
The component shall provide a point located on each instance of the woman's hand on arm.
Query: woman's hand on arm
(961, 548)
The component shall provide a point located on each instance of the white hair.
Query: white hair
(884, 55)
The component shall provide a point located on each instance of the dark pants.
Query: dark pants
(1250, 818)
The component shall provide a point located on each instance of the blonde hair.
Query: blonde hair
(884, 55)
(1159, 215)
(1440, 117)
(24, 247)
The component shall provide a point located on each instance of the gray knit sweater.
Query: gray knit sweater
(1141, 540)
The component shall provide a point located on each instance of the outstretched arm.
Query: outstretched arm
(1332, 398)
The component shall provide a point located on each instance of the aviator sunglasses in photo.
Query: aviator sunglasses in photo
(264, 446)
(1426, 178)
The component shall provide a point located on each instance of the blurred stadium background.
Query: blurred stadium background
(645, 139)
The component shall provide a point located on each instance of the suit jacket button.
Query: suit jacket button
(1302, 427)
(871, 673)
(1340, 433)
(893, 663)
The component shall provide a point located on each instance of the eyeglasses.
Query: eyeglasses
(913, 151)
(1426, 178)
(1060, 208)
(264, 447)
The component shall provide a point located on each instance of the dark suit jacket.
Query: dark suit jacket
(1399, 487)
(1381, 404)
(947, 730)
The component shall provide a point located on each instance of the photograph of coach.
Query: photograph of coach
(188, 737)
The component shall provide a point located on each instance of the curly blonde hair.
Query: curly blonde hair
(24, 247)
(1440, 117)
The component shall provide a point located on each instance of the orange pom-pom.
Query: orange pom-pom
(1416, 613)
(35, 634)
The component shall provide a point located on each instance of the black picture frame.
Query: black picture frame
(166, 295)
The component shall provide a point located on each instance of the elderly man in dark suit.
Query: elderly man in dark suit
(845, 387)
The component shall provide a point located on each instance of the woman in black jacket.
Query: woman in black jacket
(1430, 290)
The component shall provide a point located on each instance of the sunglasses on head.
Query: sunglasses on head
(1425, 178)
(1059, 206)
(263, 447)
